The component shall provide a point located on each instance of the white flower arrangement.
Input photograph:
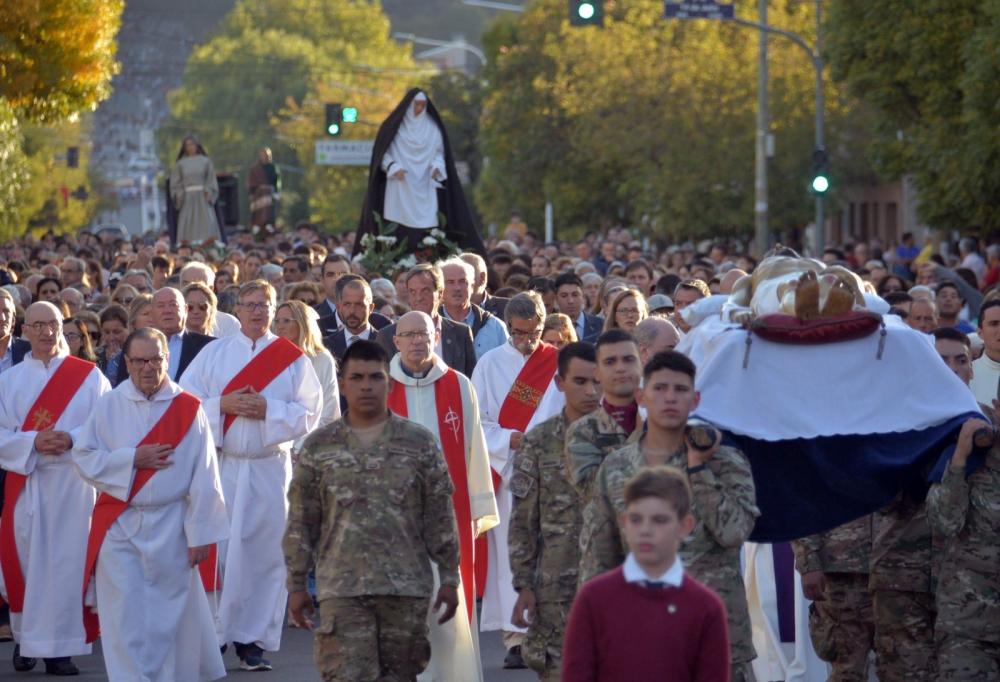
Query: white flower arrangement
(428, 241)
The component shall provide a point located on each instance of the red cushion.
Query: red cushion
(790, 329)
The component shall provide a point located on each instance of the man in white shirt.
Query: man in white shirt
(985, 382)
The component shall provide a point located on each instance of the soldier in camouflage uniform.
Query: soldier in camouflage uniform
(723, 503)
(901, 580)
(834, 568)
(544, 536)
(590, 439)
(370, 507)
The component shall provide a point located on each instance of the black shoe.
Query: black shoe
(251, 657)
(513, 660)
(62, 666)
(223, 649)
(22, 664)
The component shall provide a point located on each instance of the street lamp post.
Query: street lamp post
(460, 44)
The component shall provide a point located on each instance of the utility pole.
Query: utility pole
(761, 231)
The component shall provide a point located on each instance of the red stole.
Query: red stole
(170, 430)
(43, 415)
(518, 408)
(451, 427)
(258, 373)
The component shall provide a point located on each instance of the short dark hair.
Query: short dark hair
(542, 285)
(364, 351)
(639, 263)
(568, 278)
(667, 284)
(897, 297)
(335, 258)
(949, 285)
(350, 279)
(147, 333)
(616, 335)
(662, 482)
(302, 265)
(577, 349)
(951, 334)
(672, 360)
(994, 303)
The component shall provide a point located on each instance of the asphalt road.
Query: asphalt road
(292, 664)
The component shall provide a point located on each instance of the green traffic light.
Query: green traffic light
(350, 115)
(820, 184)
(586, 10)
(333, 129)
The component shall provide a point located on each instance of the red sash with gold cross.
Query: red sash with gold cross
(43, 415)
(518, 408)
(451, 427)
(258, 373)
(169, 429)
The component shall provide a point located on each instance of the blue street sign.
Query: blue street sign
(700, 9)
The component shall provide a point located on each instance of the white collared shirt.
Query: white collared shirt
(634, 574)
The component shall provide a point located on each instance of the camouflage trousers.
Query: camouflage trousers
(542, 648)
(741, 672)
(842, 627)
(961, 658)
(904, 636)
(372, 639)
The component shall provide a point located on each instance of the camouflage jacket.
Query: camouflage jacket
(588, 441)
(966, 514)
(544, 538)
(844, 549)
(725, 508)
(903, 555)
(369, 518)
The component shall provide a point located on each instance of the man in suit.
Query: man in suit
(334, 267)
(354, 307)
(570, 301)
(494, 305)
(170, 316)
(425, 286)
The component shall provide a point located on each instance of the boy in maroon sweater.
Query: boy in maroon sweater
(648, 619)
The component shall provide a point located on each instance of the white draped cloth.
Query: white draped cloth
(493, 377)
(256, 469)
(156, 624)
(52, 515)
(454, 645)
(418, 149)
(225, 325)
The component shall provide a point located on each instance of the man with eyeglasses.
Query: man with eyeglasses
(148, 449)
(261, 394)
(46, 515)
(170, 317)
(428, 392)
(73, 270)
(516, 389)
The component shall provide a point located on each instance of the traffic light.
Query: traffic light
(820, 172)
(586, 12)
(334, 118)
(349, 115)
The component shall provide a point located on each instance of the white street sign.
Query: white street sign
(344, 152)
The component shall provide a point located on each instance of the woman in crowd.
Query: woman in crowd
(891, 284)
(124, 295)
(297, 322)
(591, 289)
(310, 293)
(558, 330)
(114, 331)
(194, 190)
(47, 289)
(78, 340)
(627, 310)
(201, 306)
(140, 313)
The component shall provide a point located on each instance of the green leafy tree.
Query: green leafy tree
(57, 57)
(14, 171)
(929, 71)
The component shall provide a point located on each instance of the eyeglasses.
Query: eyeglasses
(126, 300)
(256, 307)
(155, 361)
(418, 335)
(72, 336)
(284, 320)
(628, 311)
(203, 307)
(533, 334)
(40, 326)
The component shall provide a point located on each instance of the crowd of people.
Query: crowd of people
(399, 460)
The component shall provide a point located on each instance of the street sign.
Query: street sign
(701, 9)
(344, 152)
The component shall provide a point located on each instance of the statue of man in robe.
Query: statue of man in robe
(412, 179)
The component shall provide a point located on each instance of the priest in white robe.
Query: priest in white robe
(419, 378)
(260, 393)
(50, 515)
(156, 624)
(496, 373)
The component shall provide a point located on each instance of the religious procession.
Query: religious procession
(242, 434)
